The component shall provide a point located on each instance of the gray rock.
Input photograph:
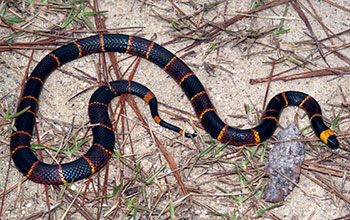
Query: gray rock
(285, 159)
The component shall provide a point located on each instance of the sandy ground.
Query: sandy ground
(233, 66)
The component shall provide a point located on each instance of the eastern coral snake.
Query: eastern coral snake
(103, 134)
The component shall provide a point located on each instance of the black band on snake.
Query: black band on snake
(103, 133)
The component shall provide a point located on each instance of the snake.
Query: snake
(102, 147)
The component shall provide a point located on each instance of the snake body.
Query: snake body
(103, 135)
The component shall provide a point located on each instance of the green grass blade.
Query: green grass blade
(334, 124)
(279, 28)
(262, 211)
(172, 210)
(262, 156)
(240, 176)
(87, 21)
(150, 179)
(256, 4)
(89, 13)
(237, 199)
(15, 115)
(207, 150)
(220, 149)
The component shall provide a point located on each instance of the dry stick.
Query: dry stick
(314, 73)
(103, 30)
(332, 188)
(85, 78)
(71, 203)
(121, 102)
(345, 217)
(297, 185)
(338, 6)
(225, 24)
(5, 186)
(325, 29)
(339, 55)
(112, 212)
(131, 100)
(102, 69)
(64, 34)
(77, 204)
(342, 94)
(168, 157)
(177, 110)
(315, 167)
(46, 41)
(86, 188)
(335, 51)
(296, 6)
(41, 213)
(32, 45)
(88, 78)
(319, 19)
(14, 186)
(214, 31)
(336, 35)
(181, 12)
(37, 33)
(330, 170)
(8, 24)
(312, 215)
(326, 185)
(268, 85)
(166, 154)
(8, 48)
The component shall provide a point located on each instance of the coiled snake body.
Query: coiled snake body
(103, 134)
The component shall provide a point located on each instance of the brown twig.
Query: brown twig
(316, 73)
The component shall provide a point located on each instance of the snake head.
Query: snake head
(332, 142)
